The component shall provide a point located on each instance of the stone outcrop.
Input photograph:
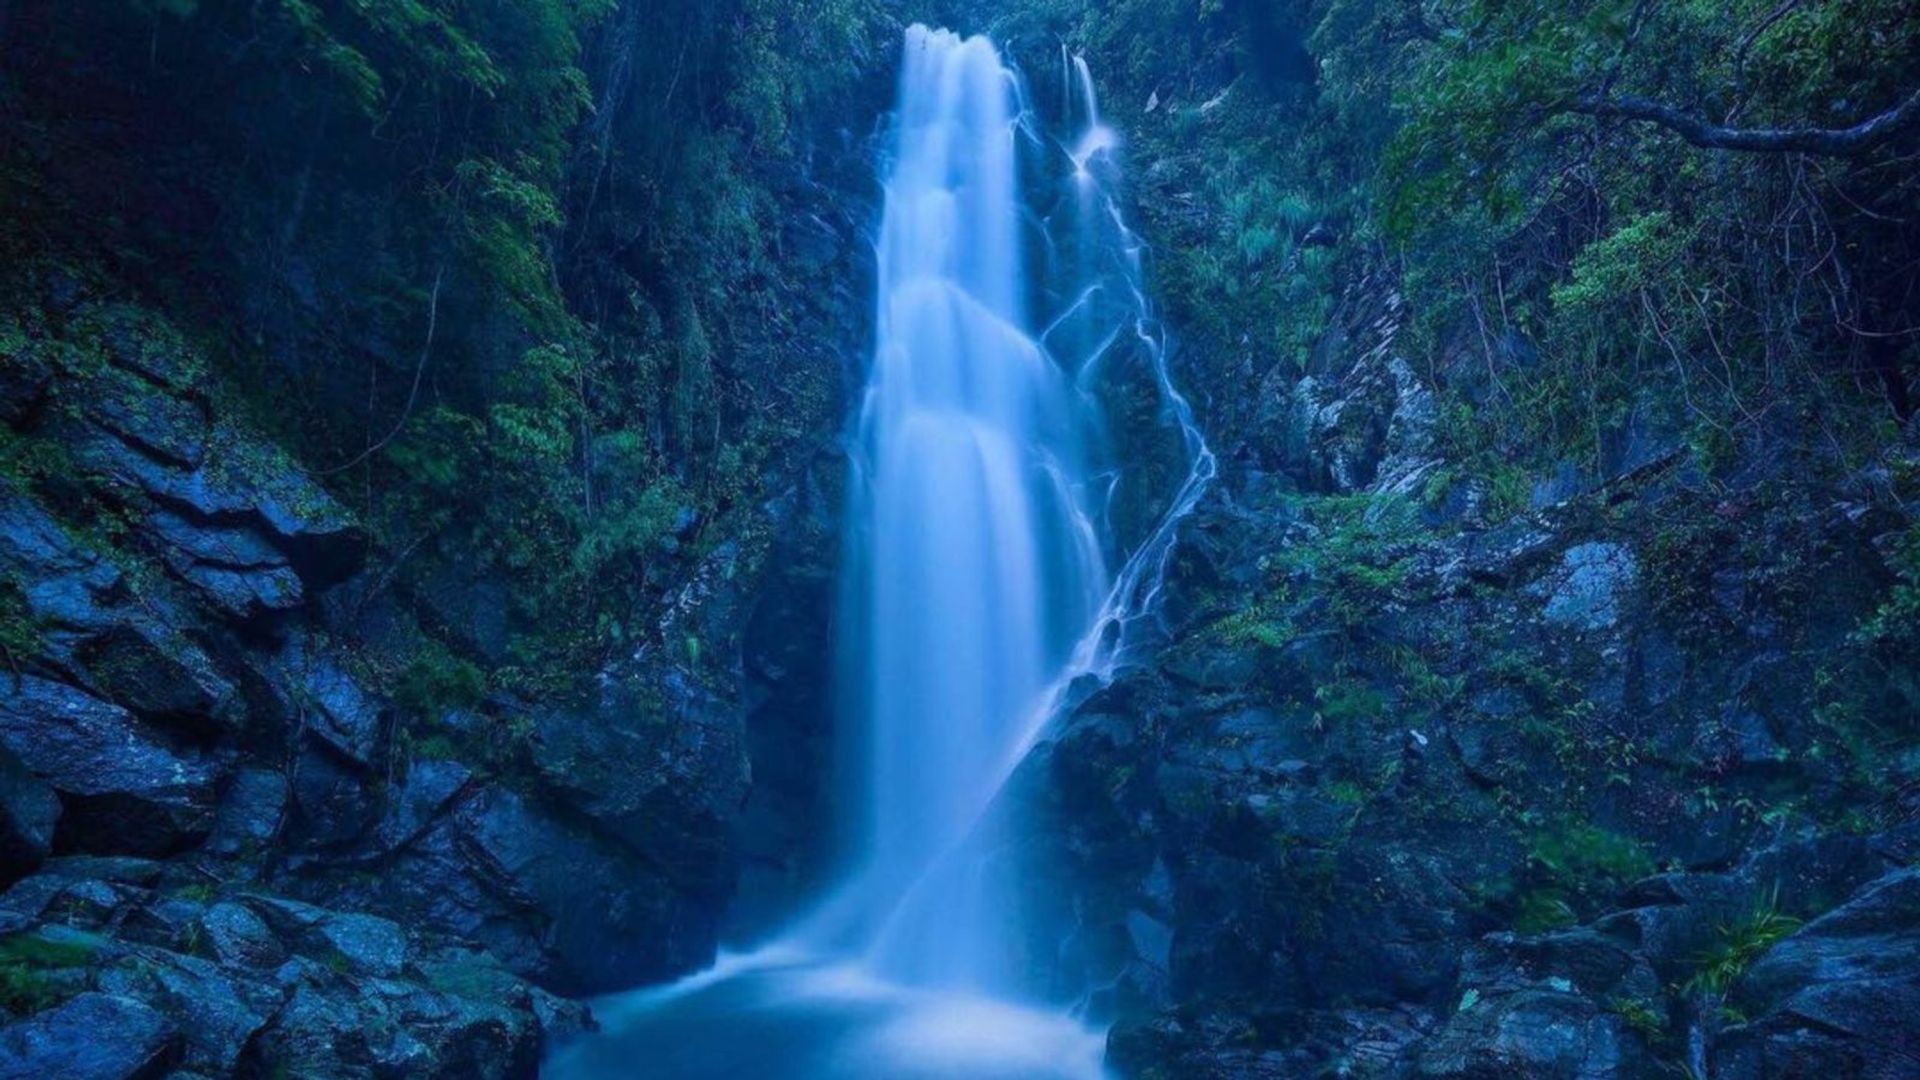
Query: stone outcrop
(221, 842)
(1425, 787)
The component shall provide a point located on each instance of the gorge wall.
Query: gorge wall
(1533, 704)
(420, 469)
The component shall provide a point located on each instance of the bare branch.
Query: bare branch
(413, 393)
(1854, 141)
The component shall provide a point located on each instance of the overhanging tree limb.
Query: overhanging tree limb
(1853, 141)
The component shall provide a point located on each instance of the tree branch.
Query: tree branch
(413, 392)
(1853, 141)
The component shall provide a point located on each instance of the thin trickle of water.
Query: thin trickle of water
(977, 592)
(1136, 588)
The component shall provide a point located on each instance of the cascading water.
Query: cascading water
(976, 593)
(974, 563)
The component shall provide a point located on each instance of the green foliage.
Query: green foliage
(1615, 269)
(1345, 701)
(1571, 864)
(1644, 1018)
(438, 455)
(25, 991)
(1582, 854)
(1256, 625)
(1346, 792)
(37, 971)
(1894, 627)
(1421, 682)
(1570, 867)
(1359, 542)
(1582, 273)
(1740, 944)
(1351, 552)
(640, 527)
(437, 681)
(1541, 911)
(19, 631)
(1662, 267)
(788, 54)
(498, 271)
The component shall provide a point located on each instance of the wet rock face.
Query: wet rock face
(103, 635)
(200, 773)
(91, 1037)
(1591, 586)
(783, 827)
(1543, 1007)
(122, 788)
(1360, 418)
(553, 899)
(661, 776)
(152, 974)
(1836, 998)
(1419, 788)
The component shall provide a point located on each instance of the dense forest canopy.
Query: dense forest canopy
(495, 252)
(534, 242)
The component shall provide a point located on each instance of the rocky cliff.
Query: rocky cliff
(1422, 790)
(1537, 698)
(324, 758)
(417, 490)
(225, 832)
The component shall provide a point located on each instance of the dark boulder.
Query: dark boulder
(91, 1037)
(254, 985)
(1590, 591)
(161, 426)
(250, 816)
(658, 761)
(136, 341)
(238, 937)
(217, 1014)
(28, 812)
(242, 481)
(331, 805)
(553, 898)
(233, 569)
(85, 890)
(130, 647)
(1266, 1045)
(1545, 1032)
(342, 736)
(332, 1028)
(467, 607)
(417, 805)
(600, 919)
(1841, 997)
(321, 697)
(363, 944)
(1543, 1008)
(124, 789)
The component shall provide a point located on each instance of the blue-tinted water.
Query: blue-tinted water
(975, 590)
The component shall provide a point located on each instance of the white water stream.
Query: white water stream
(976, 592)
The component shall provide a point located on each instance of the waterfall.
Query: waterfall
(974, 562)
(976, 595)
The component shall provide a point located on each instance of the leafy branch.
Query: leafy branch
(1862, 138)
